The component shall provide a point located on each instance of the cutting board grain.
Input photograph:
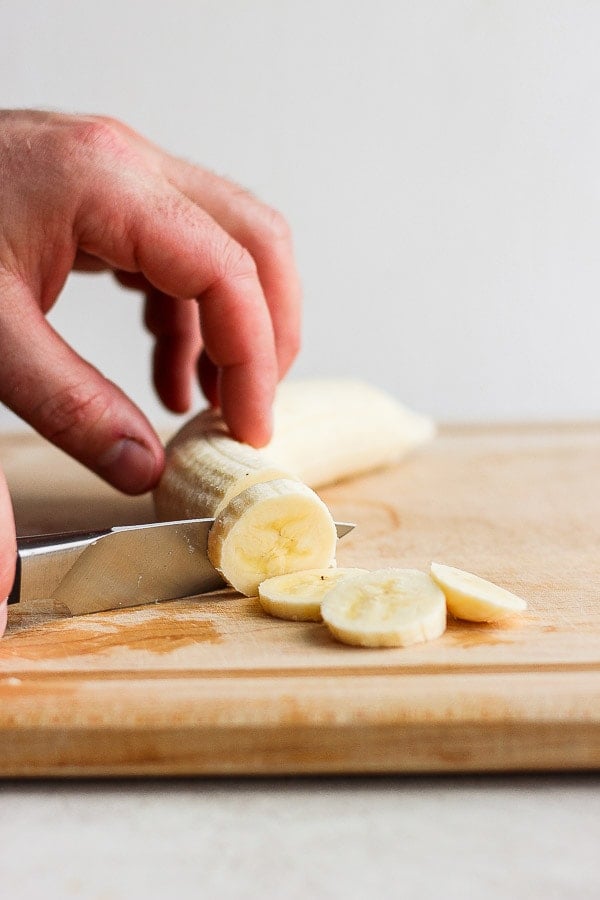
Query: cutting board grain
(212, 685)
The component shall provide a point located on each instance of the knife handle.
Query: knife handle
(43, 559)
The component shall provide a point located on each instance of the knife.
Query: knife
(114, 568)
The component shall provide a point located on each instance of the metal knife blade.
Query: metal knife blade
(128, 565)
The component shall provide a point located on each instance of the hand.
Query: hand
(217, 268)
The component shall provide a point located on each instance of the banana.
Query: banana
(297, 596)
(327, 429)
(473, 598)
(268, 529)
(385, 608)
(324, 430)
(206, 469)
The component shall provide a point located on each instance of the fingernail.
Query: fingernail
(129, 466)
(3, 616)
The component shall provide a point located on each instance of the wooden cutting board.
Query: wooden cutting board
(213, 685)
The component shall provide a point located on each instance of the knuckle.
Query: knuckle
(96, 134)
(275, 226)
(267, 231)
(262, 228)
(96, 138)
(111, 122)
(73, 410)
(234, 261)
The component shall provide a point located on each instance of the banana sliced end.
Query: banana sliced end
(206, 468)
(473, 598)
(298, 595)
(385, 608)
(271, 529)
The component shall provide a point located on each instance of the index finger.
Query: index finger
(257, 227)
(143, 224)
(266, 235)
(233, 328)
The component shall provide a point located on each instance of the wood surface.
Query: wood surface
(213, 685)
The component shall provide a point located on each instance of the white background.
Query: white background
(439, 163)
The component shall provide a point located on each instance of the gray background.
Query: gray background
(439, 163)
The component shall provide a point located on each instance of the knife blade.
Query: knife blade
(119, 567)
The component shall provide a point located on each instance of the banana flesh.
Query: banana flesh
(327, 429)
(473, 598)
(297, 596)
(269, 529)
(385, 608)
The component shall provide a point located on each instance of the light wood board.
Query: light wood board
(212, 685)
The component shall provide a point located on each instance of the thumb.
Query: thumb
(8, 549)
(69, 402)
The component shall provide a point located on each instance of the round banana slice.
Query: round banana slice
(298, 596)
(385, 608)
(270, 529)
(473, 598)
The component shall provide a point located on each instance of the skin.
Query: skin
(216, 266)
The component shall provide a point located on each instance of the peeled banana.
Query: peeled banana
(267, 520)
(327, 429)
(206, 469)
(298, 595)
(268, 529)
(324, 430)
(385, 608)
(473, 598)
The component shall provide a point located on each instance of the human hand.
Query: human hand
(223, 296)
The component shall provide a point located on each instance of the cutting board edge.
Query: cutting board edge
(303, 751)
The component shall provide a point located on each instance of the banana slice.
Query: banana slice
(385, 608)
(270, 529)
(298, 596)
(473, 598)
